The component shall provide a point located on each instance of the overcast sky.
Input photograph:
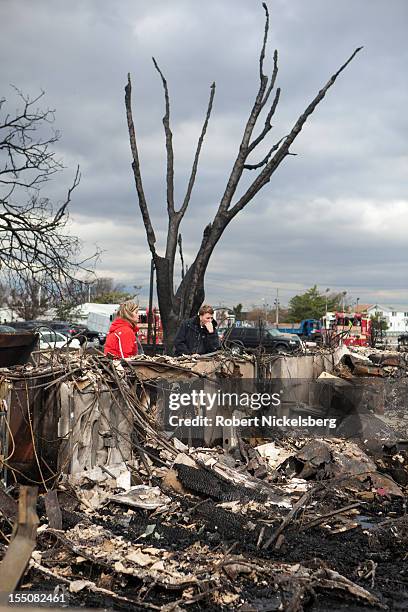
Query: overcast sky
(335, 215)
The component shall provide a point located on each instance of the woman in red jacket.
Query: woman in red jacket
(121, 340)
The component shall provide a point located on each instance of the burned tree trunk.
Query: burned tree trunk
(185, 302)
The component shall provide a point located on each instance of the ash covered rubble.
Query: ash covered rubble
(132, 518)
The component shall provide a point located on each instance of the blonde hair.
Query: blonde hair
(206, 309)
(127, 310)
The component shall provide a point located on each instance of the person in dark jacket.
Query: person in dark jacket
(197, 335)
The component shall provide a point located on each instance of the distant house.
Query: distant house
(224, 316)
(8, 314)
(397, 320)
(361, 308)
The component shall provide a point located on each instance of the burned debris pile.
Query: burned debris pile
(134, 516)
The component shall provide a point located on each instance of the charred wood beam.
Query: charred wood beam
(321, 519)
(20, 548)
(53, 510)
(289, 517)
(91, 586)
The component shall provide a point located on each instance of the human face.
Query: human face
(135, 316)
(205, 318)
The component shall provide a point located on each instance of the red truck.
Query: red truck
(354, 327)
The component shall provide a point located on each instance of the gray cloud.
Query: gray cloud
(336, 214)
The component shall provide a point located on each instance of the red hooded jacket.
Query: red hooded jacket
(121, 339)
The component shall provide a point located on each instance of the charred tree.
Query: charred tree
(186, 300)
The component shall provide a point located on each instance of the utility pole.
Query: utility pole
(266, 313)
(277, 303)
(150, 314)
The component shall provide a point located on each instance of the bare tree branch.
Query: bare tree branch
(176, 217)
(169, 144)
(268, 125)
(265, 159)
(264, 177)
(265, 39)
(180, 243)
(273, 78)
(34, 244)
(197, 154)
(29, 160)
(214, 231)
(62, 209)
(244, 150)
(151, 238)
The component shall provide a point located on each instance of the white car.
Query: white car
(50, 339)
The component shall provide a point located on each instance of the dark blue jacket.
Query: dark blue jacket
(192, 338)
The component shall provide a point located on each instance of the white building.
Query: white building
(98, 317)
(8, 314)
(397, 320)
(224, 316)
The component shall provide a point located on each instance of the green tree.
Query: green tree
(68, 307)
(67, 311)
(237, 310)
(113, 297)
(105, 291)
(312, 304)
(378, 326)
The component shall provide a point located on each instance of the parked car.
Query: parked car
(7, 329)
(23, 325)
(57, 325)
(402, 343)
(51, 339)
(221, 332)
(82, 332)
(63, 327)
(272, 340)
(36, 323)
(89, 335)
